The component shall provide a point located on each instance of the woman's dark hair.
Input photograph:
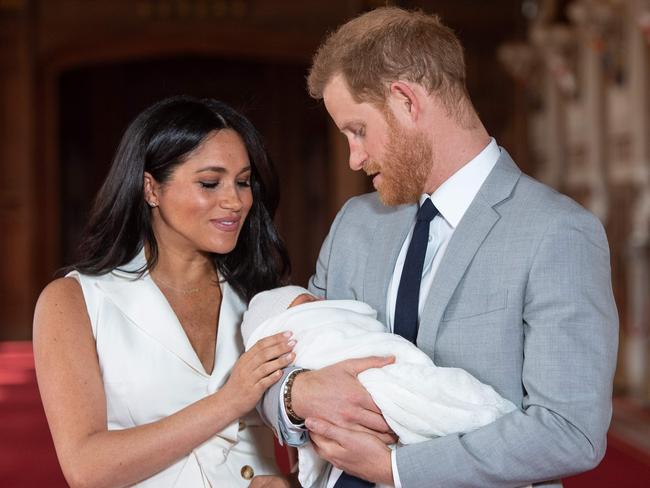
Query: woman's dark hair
(157, 141)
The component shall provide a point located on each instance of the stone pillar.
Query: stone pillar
(637, 338)
(590, 18)
(554, 43)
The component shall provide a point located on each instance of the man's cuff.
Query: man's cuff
(393, 463)
(292, 436)
(295, 435)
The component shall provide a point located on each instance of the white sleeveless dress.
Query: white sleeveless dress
(151, 371)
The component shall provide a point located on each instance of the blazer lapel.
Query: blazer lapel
(470, 233)
(146, 307)
(229, 341)
(389, 237)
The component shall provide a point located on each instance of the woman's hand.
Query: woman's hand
(257, 369)
(270, 482)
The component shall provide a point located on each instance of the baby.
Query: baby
(418, 399)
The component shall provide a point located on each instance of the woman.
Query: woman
(137, 348)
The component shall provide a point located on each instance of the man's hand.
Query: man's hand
(356, 453)
(335, 394)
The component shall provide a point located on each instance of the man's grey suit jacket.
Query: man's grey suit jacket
(522, 300)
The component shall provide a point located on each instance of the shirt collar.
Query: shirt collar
(454, 196)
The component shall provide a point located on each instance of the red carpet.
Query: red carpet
(27, 457)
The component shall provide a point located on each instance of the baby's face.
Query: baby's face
(304, 298)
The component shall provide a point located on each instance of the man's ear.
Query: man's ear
(151, 189)
(403, 99)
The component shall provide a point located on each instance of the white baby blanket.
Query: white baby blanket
(418, 399)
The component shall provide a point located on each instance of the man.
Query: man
(512, 280)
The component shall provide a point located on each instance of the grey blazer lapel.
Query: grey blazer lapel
(391, 231)
(470, 233)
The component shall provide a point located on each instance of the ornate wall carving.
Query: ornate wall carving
(591, 135)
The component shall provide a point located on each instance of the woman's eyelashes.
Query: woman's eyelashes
(244, 183)
(211, 185)
(208, 184)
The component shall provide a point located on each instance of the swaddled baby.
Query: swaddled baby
(418, 399)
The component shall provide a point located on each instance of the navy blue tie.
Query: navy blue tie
(348, 481)
(408, 295)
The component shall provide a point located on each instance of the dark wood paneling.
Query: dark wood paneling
(81, 69)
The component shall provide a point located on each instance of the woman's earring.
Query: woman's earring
(152, 204)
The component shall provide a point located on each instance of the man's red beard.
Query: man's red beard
(404, 166)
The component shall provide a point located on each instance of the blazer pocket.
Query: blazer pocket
(464, 307)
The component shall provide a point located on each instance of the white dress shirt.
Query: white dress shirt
(452, 199)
